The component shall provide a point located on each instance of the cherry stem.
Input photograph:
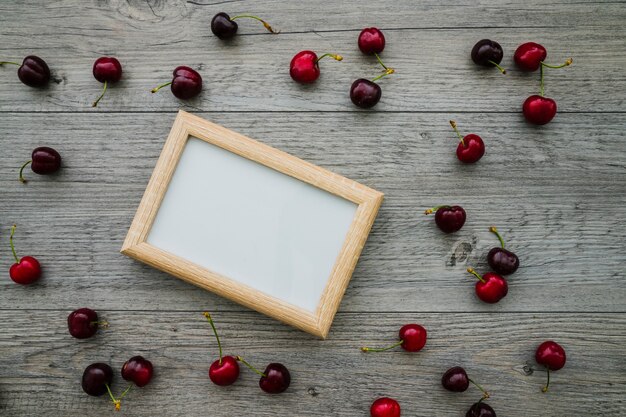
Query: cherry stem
(104, 324)
(541, 90)
(219, 344)
(240, 359)
(22, 179)
(485, 393)
(9, 62)
(11, 243)
(493, 230)
(104, 90)
(567, 63)
(367, 349)
(389, 71)
(502, 70)
(430, 211)
(117, 401)
(336, 57)
(155, 89)
(471, 271)
(453, 124)
(265, 24)
(380, 61)
(545, 389)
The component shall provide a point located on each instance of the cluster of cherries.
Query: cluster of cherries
(529, 57)
(97, 377)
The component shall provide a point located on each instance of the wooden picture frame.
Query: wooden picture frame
(366, 199)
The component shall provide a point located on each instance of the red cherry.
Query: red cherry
(471, 147)
(539, 110)
(448, 218)
(225, 370)
(106, 70)
(529, 56)
(385, 407)
(371, 41)
(26, 270)
(551, 355)
(491, 287)
(186, 83)
(138, 370)
(412, 339)
(304, 67)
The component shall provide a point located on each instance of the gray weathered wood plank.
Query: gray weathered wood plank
(556, 193)
(41, 364)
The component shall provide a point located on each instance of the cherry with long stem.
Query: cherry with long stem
(265, 24)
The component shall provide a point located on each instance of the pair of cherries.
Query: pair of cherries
(492, 286)
(97, 378)
(225, 370)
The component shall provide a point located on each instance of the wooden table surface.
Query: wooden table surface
(556, 192)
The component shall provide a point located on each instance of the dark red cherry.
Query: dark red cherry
(371, 41)
(539, 110)
(25, 270)
(138, 370)
(502, 261)
(33, 72)
(224, 371)
(96, 378)
(107, 69)
(186, 84)
(304, 67)
(365, 93)
(385, 407)
(448, 218)
(455, 379)
(223, 27)
(529, 56)
(491, 287)
(471, 147)
(83, 323)
(44, 161)
(480, 409)
(551, 355)
(488, 53)
(276, 379)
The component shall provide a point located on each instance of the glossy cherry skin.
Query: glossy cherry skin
(96, 377)
(371, 41)
(480, 409)
(471, 149)
(539, 110)
(276, 379)
(413, 337)
(34, 72)
(502, 261)
(45, 160)
(138, 370)
(493, 289)
(225, 373)
(528, 56)
(304, 67)
(551, 355)
(455, 379)
(485, 51)
(223, 27)
(385, 407)
(450, 218)
(107, 69)
(26, 271)
(365, 93)
(82, 323)
(187, 83)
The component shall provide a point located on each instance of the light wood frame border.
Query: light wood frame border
(368, 200)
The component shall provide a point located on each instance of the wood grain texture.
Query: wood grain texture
(555, 192)
(41, 366)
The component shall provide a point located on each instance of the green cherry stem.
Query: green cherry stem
(502, 70)
(104, 324)
(567, 62)
(240, 359)
(434, 209)
(9, 62)
(155, 89)
(485, 393)
(104, 90)
(367, 349)
(11, 243)
(380, 61)
(265, 24)
(22, 179)
(456, 130)
(541, 90)
(336, 57)
(389, 71)
(493, 230)
(117, 401)
(219, 344)
(471, 271)
(545, 389)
